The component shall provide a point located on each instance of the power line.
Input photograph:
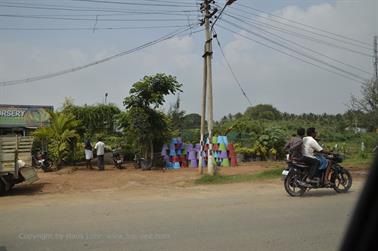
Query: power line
(302, 24)
(94, 19)
(304, 36)
(290, 55)
(63, 72)
(86, 28)
(305, 47)
(298, 52)
(84, 9)
(300, 29)
(137, 4)
(232, 71)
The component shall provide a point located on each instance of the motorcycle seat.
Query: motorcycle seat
(299, 163)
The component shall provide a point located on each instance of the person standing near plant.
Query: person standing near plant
(88, 153)
(100, 151)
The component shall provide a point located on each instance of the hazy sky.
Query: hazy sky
(266, 75)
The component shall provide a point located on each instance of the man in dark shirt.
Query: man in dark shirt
(294, 146)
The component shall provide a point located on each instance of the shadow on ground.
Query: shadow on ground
(26, 189)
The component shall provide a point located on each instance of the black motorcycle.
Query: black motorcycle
(333, 176)
(117, 160)
(41, 161)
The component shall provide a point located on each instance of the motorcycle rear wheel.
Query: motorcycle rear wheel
(343, 181)
(292, 187)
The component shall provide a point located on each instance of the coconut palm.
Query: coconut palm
(59, 133)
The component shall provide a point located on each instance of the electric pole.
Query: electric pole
(106, 98)
(201, 165)
(209, 85)
(376, 62)
(207, 91)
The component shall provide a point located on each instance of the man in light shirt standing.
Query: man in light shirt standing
(100, 151)
(309, 147)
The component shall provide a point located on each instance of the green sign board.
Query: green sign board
(24, 116)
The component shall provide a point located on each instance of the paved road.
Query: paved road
(228, 217)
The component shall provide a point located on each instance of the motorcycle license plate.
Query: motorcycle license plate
(284, 174)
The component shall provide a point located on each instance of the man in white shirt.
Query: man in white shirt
(309, 147)
(100, 151)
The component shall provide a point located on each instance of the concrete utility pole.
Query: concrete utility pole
(201, 165)
(376, 62)
(207, 93)
(106, 98)
(209, 85)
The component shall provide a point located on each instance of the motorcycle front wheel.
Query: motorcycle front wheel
(292, 187)
(342, 181)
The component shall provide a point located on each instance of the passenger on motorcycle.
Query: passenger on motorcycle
(309, 147)
(294, 146)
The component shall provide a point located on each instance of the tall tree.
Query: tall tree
(368, 102)
(143, 122)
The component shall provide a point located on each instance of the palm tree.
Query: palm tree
(61, 131)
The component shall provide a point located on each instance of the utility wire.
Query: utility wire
(84, 9)
(94, 19)
(307, 37)
(232, 71)
(297, 51)
(305, 25)
(305, 47)
(83, 28)
(63, 72)
(136, 3)
(322, 35)
(291, 55)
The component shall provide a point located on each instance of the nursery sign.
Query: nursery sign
(24, 116)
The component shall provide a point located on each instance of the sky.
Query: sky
(289, 64)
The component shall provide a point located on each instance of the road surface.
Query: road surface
(247, 216)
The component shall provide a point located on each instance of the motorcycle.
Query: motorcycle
(40, 161)
(142, 163)
(333, 176)
(117, 159)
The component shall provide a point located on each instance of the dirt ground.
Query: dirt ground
(78, 179)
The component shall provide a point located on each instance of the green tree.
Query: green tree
(271, 141)
(143, 123)
(176, 118)
(95, 119)
(192, 121)
(368, 102)
(59, 134)
(263, 111)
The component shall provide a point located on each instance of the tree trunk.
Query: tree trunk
(152, 149)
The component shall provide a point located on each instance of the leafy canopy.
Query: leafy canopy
(61, 131)
(145, 125)
(150, 91)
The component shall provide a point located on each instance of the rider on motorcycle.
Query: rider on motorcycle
(309, 147)
(294, 146)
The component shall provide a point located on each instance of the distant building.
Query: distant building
(356, 129)
(23, 119)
